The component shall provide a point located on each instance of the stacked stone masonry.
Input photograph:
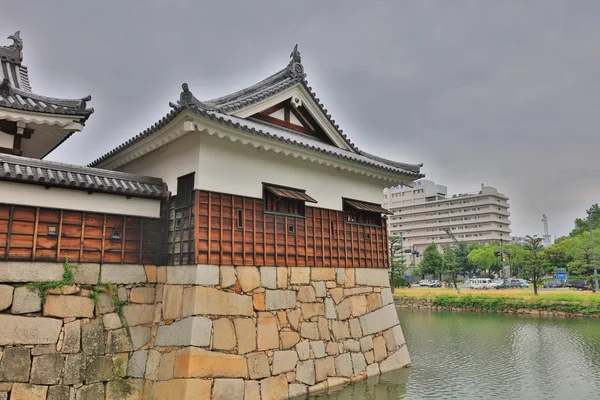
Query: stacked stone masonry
(193, 332)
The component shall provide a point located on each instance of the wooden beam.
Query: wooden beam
(285, 241)
(243, 230)
(345, 243)
(60, 223)
(233, 230)
(322, 237)
(314, 219)
(221, 231)
(103, 245)
(123, 234)
(254, 231)
(9, 232)
(275, 233)
(305, 242)
(81, 240)
(35, 232)
(209, 227)
(195, 249)
(141, 255)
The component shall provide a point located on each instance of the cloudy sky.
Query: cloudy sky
(499, 92)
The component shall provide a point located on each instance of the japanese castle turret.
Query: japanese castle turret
(237, 248)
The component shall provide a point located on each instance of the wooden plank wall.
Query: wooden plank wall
(26, 235)
(263, 239)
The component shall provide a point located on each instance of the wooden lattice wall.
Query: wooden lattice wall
(322, 238)
(43, 234)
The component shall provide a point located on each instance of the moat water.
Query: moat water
(489, 356)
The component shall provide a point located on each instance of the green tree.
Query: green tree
(483, 258)
(433, 263)
(397, 261)
(462, 257)
(451, 263)
(536, 265)
(582, 225)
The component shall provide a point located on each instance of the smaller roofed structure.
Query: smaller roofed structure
(33, 125)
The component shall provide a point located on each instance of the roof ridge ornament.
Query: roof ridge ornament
(5, 87)
(83, 102)
(187, 98)
(295, 66)
(17, 43)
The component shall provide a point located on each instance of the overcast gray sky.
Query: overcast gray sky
(498, 92)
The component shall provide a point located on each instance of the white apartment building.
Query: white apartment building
(423, 212)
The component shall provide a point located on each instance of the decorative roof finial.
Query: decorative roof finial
(83, 102)
(5, 87)
(17, 42)
(186, 98)
(295, 56)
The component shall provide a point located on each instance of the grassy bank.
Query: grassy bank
(569, 302)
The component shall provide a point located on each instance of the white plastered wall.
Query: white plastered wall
(68, 199)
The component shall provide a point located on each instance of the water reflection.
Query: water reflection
(489, 356)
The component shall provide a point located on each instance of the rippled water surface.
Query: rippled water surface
(489, 356)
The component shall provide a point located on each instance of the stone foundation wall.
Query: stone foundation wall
(197, 332)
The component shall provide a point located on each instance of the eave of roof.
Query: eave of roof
(54, 174)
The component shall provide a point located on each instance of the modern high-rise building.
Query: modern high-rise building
(422, 213)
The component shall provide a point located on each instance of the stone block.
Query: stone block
(297, 390)
(86, 273)
(41, 349)
(192, 362)
(282, 277)
(140, 336)
(310, 310)
(151, 273)
(209, 301)
(142, 295)
(191, 331)
(357, 290)
(320, 289)
(139, 314)
(379, 320)
(372, 370)
(92, 338)
(309, 330)
(122, 294)
(228, 277)
(201, 274)
(366, 343)
(282, 318)
(6, 296)
(285, 361)
(399, 359)
(99, 369)
(351, 345)
(28, 330)
(223, 334)
(336, 382)
(324, 367)
(332, 348)
(370, 357)
(16, 271)
(268, 277)
(289, 339)
(137, 364)
(280, 299)
(172, 301)
(372, 277)
(379, 348)
(340, 275)
(374, 300)
(267, 332)
(258, 301)
(358, 363)
(104, 304)
(120, 364)
(355, 330)
(74, 372)
(189, 389)
(251, 390)
(166, 366)
(318, 348)
(307, 294)
(323, 273)
(319, 387)
(398, 335)
(15, 365)
(60, 393)
(303, 350)
(330, 309)
(161, 275)
(228, 389)
(323, 327)
(130, 389)
(25, 300)
(343, 310)
(349, 279)
(340, 330)
(300, 275)
(47, 369)
(245, 331)
(69, 306)
(248, 277)
(118, 341)
(258, 366)
(390, 341)
(90, 392)
(294, 318)
(337, 294)
(343, 365)
(152, 365)
(305, 372)
(24, 391)
(274, 388)
(386, 296)
(122, 273)
(72, 338)
(358, 305)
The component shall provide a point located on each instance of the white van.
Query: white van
(482, 283)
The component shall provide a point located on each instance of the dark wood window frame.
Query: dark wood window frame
(279, 205)
(355, 216)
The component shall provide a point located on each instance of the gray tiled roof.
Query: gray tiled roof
(15, 89)
(218, 110)
(49, 173)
